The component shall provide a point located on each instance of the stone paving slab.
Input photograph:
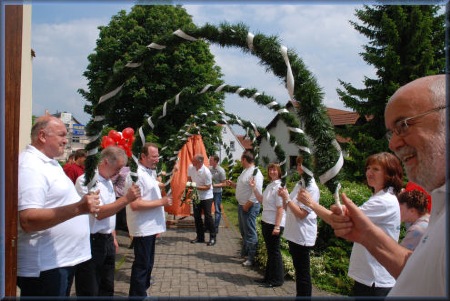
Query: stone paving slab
(190, 270)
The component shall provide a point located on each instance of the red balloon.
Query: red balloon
(107, 141)
(128, 133)
(115, 135)
(129, 153)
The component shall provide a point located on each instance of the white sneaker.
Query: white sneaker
(247, 263)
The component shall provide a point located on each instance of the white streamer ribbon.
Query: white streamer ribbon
(141, 134)
(289, 75)
(177, 98)
(219, 88)
(239, 90)
(110, 94)
(205, 88)
(99, 118)
(183, 35)
(332, 172)
(92, 152)
(150, 123)
(296, 130)
(250, 37)
(156, 46)
(255, 95)
(271, 104)
(307, 171)
(133, 65)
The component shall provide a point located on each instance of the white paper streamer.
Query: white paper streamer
(110, 94)
(307, 171)
(305, 149)
(219, 88)
(156, 46)
(141, 134)
(337, 200)
(177, 98)
(332, 172)
(150, 123)
(164, 112)
(282, 111)
(135, 160)
(92, 152)
(271, 104)
(92, 183)
(250, 37)
(296, 130)
(133, 65)
(99, 118)
(239, 90)
(183, 35)
(255, 95)
(289, 75)
(205, 89)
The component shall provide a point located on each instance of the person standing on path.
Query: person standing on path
(146, 219)
(95, 277)
(384, 176)
(272, 225)
(219, 181)
(301, 229)
(199, 174)
(249, 206)
(53, 236)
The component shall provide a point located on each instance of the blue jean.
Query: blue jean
(302, 265)
(95, 277)
(247, 228)
(55, 282)
(141, 270)
(217, 209)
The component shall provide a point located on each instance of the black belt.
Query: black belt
(100, 235)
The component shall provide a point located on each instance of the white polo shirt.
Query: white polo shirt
(271, 202)
(151, 221)
(202, 177)
(107, 196)
(244, 192)
(302, 231)
(43, 184)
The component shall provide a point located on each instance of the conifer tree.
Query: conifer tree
(405, 42)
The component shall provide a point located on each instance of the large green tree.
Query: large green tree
(405, 42)
(161, 75)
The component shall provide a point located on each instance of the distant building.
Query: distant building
(76, 136)
(233, 141)
(278, 129)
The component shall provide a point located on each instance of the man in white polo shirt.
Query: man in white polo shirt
(199, 174)
(95, 277)
(53, 235)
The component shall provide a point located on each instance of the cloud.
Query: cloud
(320, 34)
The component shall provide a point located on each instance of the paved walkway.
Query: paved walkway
(183, 269)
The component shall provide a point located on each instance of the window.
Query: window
(232, 146)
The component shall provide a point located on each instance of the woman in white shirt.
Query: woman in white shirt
(272, 226)
(384, 175)
(301, 229)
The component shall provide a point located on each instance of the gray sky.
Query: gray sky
(63, 35)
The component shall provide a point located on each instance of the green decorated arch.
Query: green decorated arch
(285, 64)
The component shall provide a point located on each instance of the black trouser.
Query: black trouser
(95, 277)
(302, 265)
(274, 266)
(54, 282)
(204, 205)
(360, 289)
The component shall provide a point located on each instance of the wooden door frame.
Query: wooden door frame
(13, 69)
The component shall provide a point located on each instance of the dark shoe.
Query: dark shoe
(260, 281)
(269, 285)
(195, 241)
(211, 242)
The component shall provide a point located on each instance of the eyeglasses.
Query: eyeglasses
(401, 126)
